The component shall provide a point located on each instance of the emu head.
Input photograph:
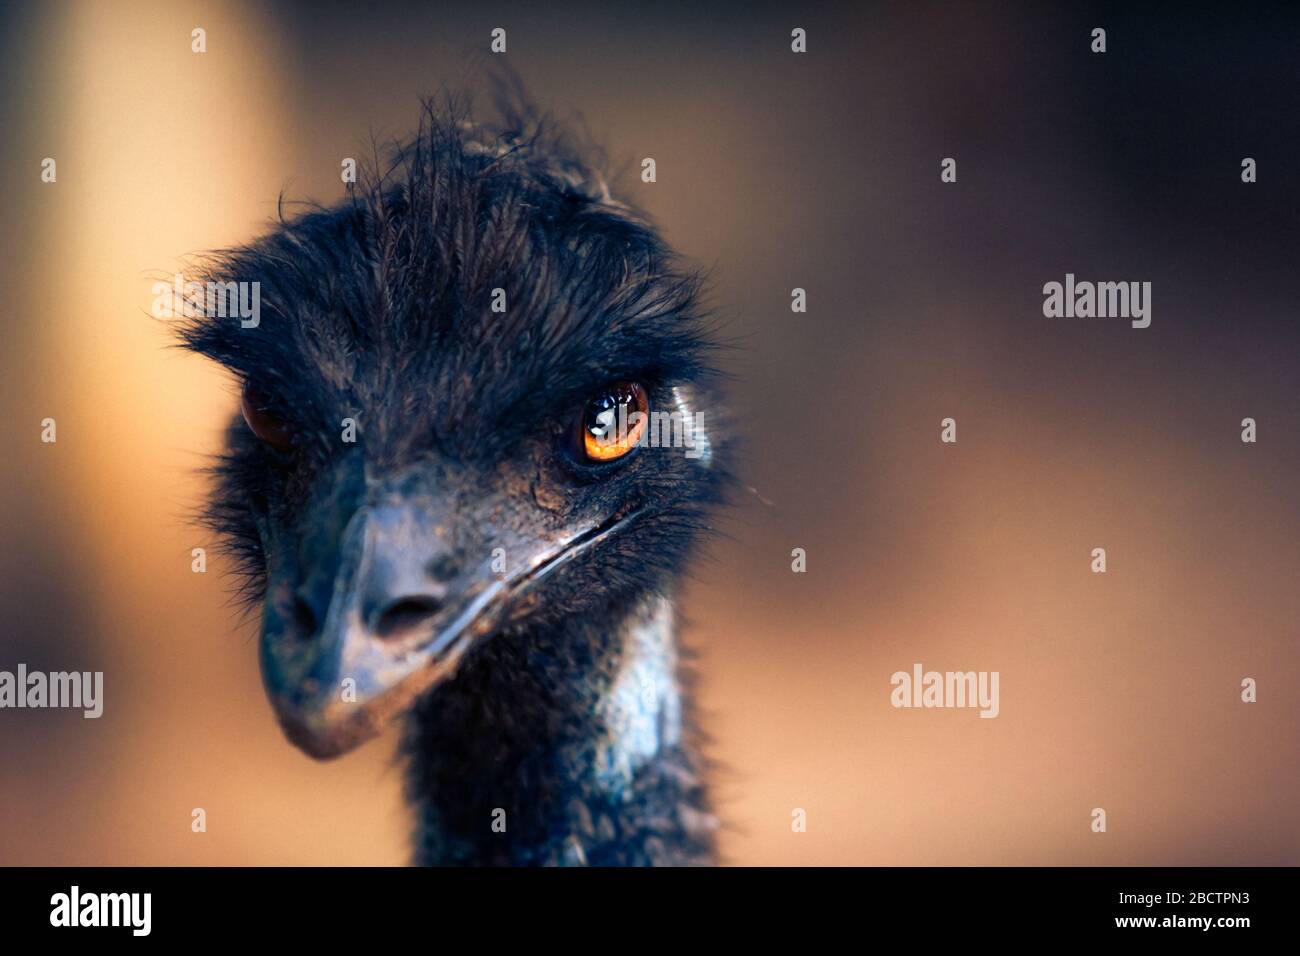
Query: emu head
(440, 441)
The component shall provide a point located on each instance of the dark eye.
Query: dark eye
(261, 422)
(612, 423)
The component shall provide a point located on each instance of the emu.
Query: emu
(426, 496)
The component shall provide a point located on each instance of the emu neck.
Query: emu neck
(562, 747)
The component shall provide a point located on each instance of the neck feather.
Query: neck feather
(567, 746)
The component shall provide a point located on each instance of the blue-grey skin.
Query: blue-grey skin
(459, 561)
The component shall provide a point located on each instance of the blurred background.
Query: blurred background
(776, 171)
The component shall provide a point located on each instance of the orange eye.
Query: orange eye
(261, 422)
(614, 421)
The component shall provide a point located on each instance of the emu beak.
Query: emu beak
(352, 640)
(398, 613)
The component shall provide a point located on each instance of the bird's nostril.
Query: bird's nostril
(304, 619)
(404, 614)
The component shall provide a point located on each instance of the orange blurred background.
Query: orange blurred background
(777, 171)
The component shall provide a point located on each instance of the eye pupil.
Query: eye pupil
(613, 421)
